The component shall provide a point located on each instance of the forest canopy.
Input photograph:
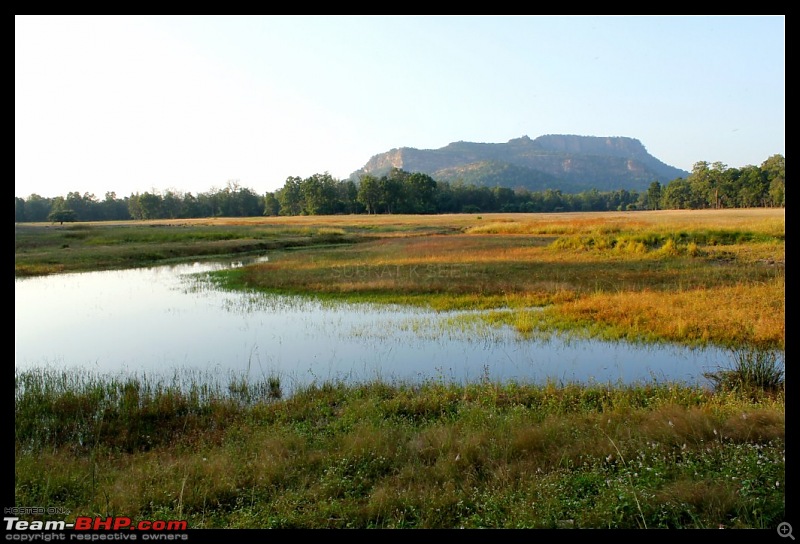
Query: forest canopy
(709, 185)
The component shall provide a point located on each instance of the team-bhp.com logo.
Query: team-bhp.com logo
(152, 529)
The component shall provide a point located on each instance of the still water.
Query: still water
(165, 319)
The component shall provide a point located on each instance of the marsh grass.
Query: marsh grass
(379, 455)
(752, 372)
(678, 278)
(80, 409)
(41, 249)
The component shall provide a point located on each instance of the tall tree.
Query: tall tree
(272, 206)
(750, 187)
(392, 191)
(369, 192)
(319, 194)
(721, 185)
(171, 204)
(19, 210)
(113, 208)
(701, 185)
(347, 196)
(148, 206)
(774, 169)
(654, 196)
(290, 196)
(677, 195)
(37, 207)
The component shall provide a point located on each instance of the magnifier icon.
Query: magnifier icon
(785, 530)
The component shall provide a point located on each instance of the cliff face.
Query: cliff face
(591, 145)
(566, 162)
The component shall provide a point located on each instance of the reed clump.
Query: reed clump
(752, 372)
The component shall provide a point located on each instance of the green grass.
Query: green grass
(97, 246)
(376, 455)
(752, 372)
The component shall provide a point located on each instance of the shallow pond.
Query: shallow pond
(161, 320)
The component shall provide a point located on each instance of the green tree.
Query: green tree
(552, 200)
(591, 201)
(61, 212)
(19, 211)
(290, 196)
(37, 208)
(84, 206)
(192, 206)
(147, 206)
(238, 201)
(751, 187)
(319, 194)
(723, 184)
(369, 192)
(113, 208)
(654, 196)
(777, 193)
(272, 206)
(677, 195)
(209, 204)
(347, 196)
(774, 169)
(621, 200)
(505, 199)
(392, 190)
(421, 193)
(701, 184)
(171, 204)
(248, 203)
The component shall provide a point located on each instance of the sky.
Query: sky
(129, 104)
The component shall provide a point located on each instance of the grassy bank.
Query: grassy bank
(42, 249)
(235, 454)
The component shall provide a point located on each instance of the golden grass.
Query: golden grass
(724, 218)
(752, 313)
(730, 293)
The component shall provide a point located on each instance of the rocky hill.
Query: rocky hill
(566, 162)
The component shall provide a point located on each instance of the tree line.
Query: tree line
(709, 185)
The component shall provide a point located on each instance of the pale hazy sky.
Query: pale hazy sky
(141, 103)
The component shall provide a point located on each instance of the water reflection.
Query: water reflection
(160, 319)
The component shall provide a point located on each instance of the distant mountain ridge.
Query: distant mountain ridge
(555, 161)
